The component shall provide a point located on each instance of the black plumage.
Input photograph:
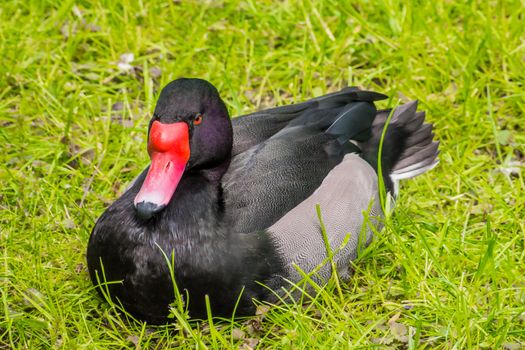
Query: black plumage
(215, 227)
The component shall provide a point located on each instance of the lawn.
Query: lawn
(78, 83)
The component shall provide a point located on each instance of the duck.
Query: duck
(227, 211)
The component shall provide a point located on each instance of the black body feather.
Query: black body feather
(208, 258)
(214, 226)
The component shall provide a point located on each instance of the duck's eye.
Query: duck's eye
(198, 119)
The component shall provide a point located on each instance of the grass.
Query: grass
(446, 273)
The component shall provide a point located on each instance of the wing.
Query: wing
(252, 129)
(270, 178)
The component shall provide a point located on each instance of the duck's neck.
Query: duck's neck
(215, 174)
(195, 211)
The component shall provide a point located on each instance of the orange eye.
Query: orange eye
(198, 119)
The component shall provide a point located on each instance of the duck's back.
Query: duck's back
(275, 166)
(255, 128)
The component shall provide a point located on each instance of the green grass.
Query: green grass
(446, 273)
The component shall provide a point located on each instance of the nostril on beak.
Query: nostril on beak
(146, 210)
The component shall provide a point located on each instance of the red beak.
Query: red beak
(169, 150)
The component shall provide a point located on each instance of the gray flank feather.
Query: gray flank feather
(346, 196)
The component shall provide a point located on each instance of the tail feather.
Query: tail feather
(416, 122)
(421, 136)
(414, 149)
(404, 114)
(408, 146)
(414, 170)
(417, 155)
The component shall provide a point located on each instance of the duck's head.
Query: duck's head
(190, 131)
